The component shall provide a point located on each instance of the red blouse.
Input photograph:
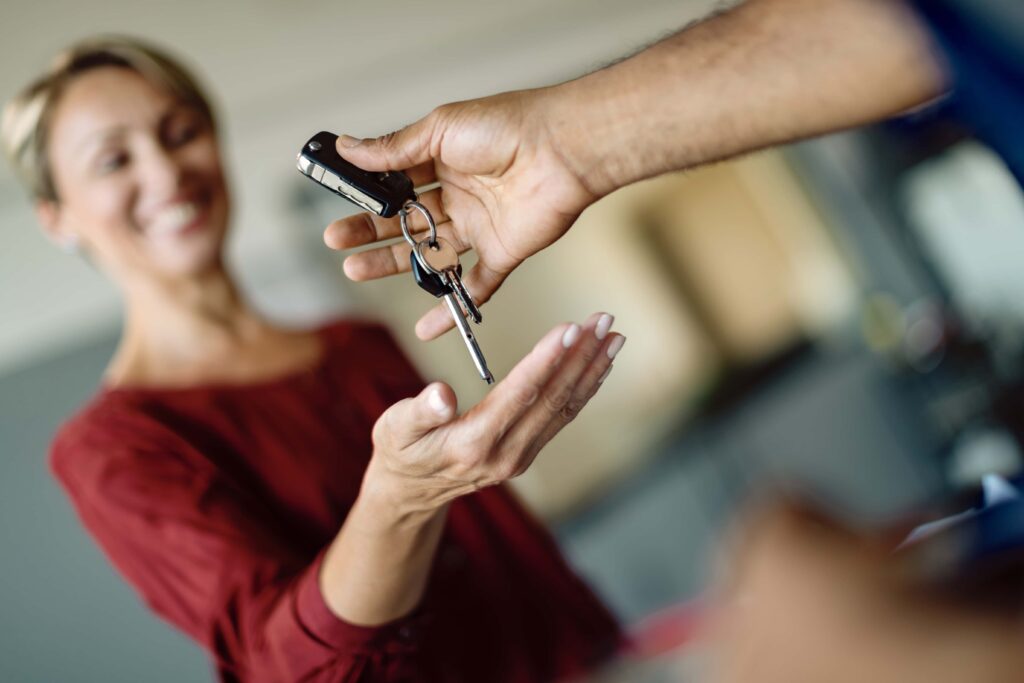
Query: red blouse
(216, 503)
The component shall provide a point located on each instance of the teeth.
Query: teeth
(173, 218)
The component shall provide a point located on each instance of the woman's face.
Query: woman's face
(138, 178)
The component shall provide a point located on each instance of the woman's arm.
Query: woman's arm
(207, 556)
(376, 569)
(210, 557)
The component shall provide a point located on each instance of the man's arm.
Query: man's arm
(517, 169)
(765, 73)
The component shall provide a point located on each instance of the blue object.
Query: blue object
(983, 44)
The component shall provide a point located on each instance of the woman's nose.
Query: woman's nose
(162, 171)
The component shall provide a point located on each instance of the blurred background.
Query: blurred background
(841, 318)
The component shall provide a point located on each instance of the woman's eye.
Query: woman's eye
(112, 162)
(183, 134)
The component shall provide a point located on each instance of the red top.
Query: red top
(216, 503)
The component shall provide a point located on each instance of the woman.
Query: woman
(250, 481)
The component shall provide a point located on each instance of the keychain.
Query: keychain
(434, 261)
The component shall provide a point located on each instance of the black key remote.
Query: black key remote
(429, 282)
(381, 193)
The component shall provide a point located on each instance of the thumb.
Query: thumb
(410, 420)
(396, 151)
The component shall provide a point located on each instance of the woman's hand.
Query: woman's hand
(507, 189)
(425, 455)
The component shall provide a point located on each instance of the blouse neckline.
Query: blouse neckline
(272, 382)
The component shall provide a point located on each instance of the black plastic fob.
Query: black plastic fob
(381, 193)
(430, 282)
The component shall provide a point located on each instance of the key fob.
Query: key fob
(381, 193)
(429, 282)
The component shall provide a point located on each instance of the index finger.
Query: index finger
(365, 228)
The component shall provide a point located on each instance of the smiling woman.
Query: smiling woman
(107, 121)
(252, 482)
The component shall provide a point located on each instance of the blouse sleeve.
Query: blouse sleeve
(208, 559)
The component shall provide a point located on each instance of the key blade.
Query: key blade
(466, 298)
(454, 282)
(467, 336)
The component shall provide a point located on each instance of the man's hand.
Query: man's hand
(808, 601)
(517, 169)
(506, 191)
(425, 456)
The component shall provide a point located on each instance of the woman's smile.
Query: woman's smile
(177, 218)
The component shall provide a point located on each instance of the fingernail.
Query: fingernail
(570, 335)
(604, 375)
(604, 323)
(436, 402)
(349, 141)
(615, 346)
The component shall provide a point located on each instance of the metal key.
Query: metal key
(437, 270)
(428, 281)
(465, 298)
(440, 257)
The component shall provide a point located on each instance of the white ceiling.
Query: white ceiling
(279, 71)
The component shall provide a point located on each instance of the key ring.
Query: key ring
(403, 216)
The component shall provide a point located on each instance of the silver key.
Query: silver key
(443, 260)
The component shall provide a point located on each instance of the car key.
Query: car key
(428, 281)
(388, 194)
(381, 193)
(437, 269)
(442, 259)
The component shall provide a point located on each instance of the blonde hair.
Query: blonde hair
(24, 127)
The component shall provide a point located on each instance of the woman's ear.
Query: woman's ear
(51, 218)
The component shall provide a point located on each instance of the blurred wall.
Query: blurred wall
(64, 614)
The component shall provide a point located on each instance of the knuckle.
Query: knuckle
(366, 225)
(588, 352)
(399, 257)
(441, 112)
(525, 396)
(388, 140)
(571, 409)
(557, 401)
